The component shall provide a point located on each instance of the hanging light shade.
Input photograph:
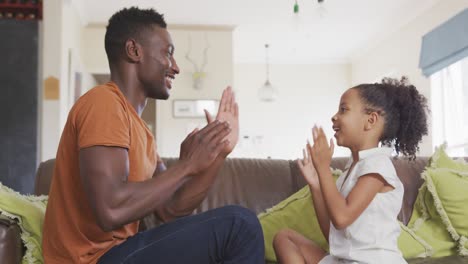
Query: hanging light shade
(267, 92)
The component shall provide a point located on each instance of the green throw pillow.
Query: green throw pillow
(427, 224)
(297, 212)
(449, 189)
(427, 220)
(440, 159)
(29, 212)
(411, 245)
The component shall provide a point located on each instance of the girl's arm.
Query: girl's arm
(310, 175)
(321, 211)
(341, 211)
(344, 211)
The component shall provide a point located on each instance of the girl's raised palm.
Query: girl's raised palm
(321, 153)
(307, 168)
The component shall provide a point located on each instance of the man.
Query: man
(108, 174)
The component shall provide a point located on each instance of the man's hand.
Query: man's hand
(228, 111)
(307, 168)
(321, 152)
(201, 147)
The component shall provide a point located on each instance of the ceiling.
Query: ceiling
(335, 31)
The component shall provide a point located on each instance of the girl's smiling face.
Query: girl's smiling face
(350, 120)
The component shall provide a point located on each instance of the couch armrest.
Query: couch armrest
(11, 247)
(44, 177)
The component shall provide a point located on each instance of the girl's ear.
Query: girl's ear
(372, 120)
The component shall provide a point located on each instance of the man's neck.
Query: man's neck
(130, 88)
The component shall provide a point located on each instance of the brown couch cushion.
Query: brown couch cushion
(261, 183)
(256, 184)
(253, 183)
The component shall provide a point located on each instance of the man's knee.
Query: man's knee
(246, 233)
(243, 213)
(247, 217)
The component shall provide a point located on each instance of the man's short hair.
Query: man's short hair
(129, 23)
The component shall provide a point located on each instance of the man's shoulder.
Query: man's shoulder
(100, 99)
(104, 94)
(102, 91)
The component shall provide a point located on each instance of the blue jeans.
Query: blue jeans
(230, 234)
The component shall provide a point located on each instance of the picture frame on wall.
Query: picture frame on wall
(194, 108)
(75, 78)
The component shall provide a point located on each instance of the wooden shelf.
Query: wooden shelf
(16, 8)
(19, 5)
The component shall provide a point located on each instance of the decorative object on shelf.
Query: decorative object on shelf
(321, 8)
(194, 108)
(21, 9)
(296, 7)
(198, 74)
(51, 88)
(267, 92)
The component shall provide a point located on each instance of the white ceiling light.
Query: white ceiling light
(267, 92)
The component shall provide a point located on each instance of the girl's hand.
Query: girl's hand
(321, 152)
(307, 168)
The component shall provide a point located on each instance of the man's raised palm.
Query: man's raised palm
(228, 111)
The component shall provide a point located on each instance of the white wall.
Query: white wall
(308, 95)
(171, 131)
(94, 54)
(219, 74)
(51, 65)
(399, 54)
(61, 57)
(71, 58)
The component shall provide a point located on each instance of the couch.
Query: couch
(257, 184)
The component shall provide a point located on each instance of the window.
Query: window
(449, 107)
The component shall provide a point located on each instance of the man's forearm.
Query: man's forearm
(130, 201)
(192, 192)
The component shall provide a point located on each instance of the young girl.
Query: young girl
(358, 214)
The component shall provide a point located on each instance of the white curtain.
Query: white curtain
(449, 105)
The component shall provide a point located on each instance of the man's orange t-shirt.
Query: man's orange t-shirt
(101, 117)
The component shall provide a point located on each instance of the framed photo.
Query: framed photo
(75, 77)
(194, 108)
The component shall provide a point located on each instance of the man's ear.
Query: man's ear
(133, 50)
(372, 120)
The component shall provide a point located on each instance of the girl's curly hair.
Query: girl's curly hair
(404, 110)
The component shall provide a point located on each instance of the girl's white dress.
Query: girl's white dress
(372, 237)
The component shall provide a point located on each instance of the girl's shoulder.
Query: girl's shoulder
(378, 164)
